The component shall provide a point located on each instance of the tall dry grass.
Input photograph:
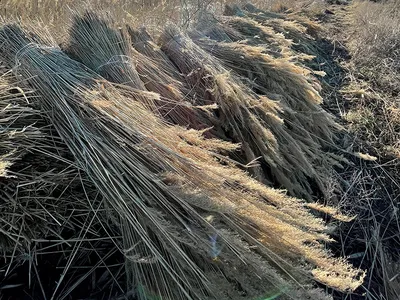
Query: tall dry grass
(144, 12)
(372, 35)
(373, 39)
(375, 43)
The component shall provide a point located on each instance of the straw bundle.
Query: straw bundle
(313, 28)
(161, 76)
(255, 121)
(302, 41)
(106, 52)
(295, 86)
(293, 29)
(216, 30)
(162, 183)
(263, 36)
(214, 85)
(96, 42)
(310, 127)
(144, 44)
(257, 34)
(47, 206)
(253, 9)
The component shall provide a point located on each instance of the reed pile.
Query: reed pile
(266, 128)
(50, 212)
(302, 33)
(278, 78)
(97, 42)
(120, 181)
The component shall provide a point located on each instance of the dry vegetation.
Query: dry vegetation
(375, 83)
(371, 107)
(151, 13)
(187, 161)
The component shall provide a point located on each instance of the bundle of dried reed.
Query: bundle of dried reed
(161, 183)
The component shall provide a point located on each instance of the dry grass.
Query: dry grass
(370, 30)
(151, 13)
(374, 42)
(166, 189)
(161, 207)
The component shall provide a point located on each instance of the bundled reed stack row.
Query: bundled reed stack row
(33, 161)
(98, 43)
(50, 211)
(187, 221)
(299, 31)
(273, 66)
(290, 169)
(287, 132)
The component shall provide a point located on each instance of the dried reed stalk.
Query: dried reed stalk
(298, 30)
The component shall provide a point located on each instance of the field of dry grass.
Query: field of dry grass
(152, 149)
(371, 33)
(374, 43)
(143, 12)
